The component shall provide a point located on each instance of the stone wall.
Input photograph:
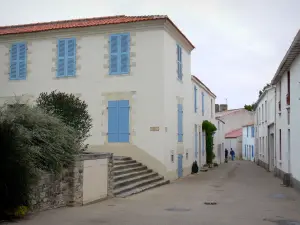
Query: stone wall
(66, 188)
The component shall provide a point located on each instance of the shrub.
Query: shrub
(31, 141)
(70, 109)
(209, 129)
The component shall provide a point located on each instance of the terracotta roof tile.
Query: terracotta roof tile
(77, 23)
(234, 133)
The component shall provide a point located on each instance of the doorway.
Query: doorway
(196, 144)
(289, 151)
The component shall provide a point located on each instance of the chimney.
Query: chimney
(223, 107)
(217, 108)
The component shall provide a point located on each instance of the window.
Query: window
(118, 121)
(262, 113)
(180, 122)
(203, 140)
(66, 57)
(288, 88)
(195, 99)
(263, 146)
(218, 125)
(252, 131)
(252, 151)
(280, 152)
(18, 61)
(266, 111)
(202, 93)
(279, 96)
(211, 108)
(119, 54)
(247, 131)
(179, 62)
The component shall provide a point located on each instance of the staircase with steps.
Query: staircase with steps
(132, 177)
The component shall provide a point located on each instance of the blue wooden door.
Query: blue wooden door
(179, 165)
(196, 143)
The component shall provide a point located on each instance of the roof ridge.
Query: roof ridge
(62, 21)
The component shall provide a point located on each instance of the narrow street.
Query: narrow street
(244, 194)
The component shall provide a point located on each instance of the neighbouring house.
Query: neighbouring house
(235, 118)
(264, 120)
(233, 139)
(133, 72)
(248, 142)
(287, 111)
(219, 141)
(204, 101)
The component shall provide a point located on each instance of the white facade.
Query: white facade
(151, 87)
(219, 141)
(248, 146)
(235, 118)
(203, 109)
(287, 81)
(265, 128)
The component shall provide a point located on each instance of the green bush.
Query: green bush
(31, 141)
(209, 129)
(70, 109)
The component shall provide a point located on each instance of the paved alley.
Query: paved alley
(244, 193)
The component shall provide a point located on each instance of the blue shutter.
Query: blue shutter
(247, 130)
(195, 99)
(114, 54)
(179, 62)
(125, 39)
(123, 111)
(202, 104)
(180, 125)
(61, 55)
(13, 62)
(113, 121)
(71, 57)
(252, 131)
(252, 151)
(203, 136)
(22, 61)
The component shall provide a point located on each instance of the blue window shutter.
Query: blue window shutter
(179, 62)
(124, 48)
(114, 44)
(247, 130)
(123, 111)
(113, 121)
(22, 61)
(180, 122)
(252, 151)
(61, 56)
(14, 62)
(195, 99)
(202, 104)
(71, 57)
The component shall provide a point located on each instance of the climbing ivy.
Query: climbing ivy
(209, 129)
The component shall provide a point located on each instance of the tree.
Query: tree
(70, 109)
(264, 88)
(209, 129)
(250, 107)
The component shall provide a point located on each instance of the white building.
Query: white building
(219, 141)
(235, 118)
(287, 81)
(248, 148)
(234, 141)
(133, 72)
(265, 128)
(204, 102)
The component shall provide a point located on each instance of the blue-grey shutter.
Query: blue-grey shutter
(114, 44)
(179, 66)
(113, 121)
(71, 57)
(180, 122)
(13, 62)
(125, 54)
(61, 56)
(195, 99)
(123, 111)
(22, 61)
(203, 104)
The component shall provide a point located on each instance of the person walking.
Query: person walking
(226, 155)
(232, 154)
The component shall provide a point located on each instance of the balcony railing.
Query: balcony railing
(288, 98)
(279, 105)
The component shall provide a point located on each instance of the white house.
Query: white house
(287, 81)
(248, 148)
(204, 102)
(235, 118)
(219, 141)
(265, 128)
(133, 72)
(233, 140)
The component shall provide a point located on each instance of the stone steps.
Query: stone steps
(132, 177)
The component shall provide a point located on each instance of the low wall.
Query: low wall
(66, 188)
(263, 164)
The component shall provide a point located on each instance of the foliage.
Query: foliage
(70, 109)
(209, 129)
(250, 107)
(264, 88)
(31, 141)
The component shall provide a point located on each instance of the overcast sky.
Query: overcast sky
(239, 43)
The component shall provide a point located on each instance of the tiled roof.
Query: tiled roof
(77, 23)
(234, 133)
(227, 112)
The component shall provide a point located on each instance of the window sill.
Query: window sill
(10, 79)
(288, 106)
(65, 77)
(279, 112)
(180, 80)
(118, 74)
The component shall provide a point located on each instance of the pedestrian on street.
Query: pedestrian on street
(226, 155)
(232, 154)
